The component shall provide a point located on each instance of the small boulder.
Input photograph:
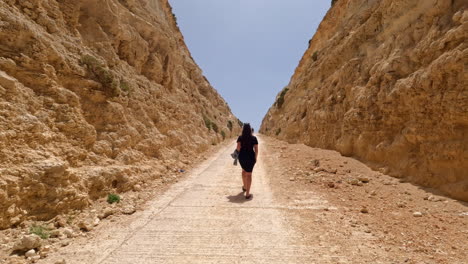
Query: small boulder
(68, 232)
(128, 210)
(364, 179)
(28, 242)
(86, 225)
(30, 253)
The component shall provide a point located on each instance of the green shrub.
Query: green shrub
(229, 125)
(280, 101)
(113, 198)
(315, 56)
(124, 86)
(278, 131)
(223, 134)
(40, 231)
(101, 74)
(208, 122)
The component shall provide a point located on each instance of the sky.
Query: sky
(248, 49)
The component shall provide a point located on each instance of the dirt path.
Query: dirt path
(291, 219)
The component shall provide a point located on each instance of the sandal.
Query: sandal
(248, 197)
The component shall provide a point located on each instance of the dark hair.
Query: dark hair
(246, 137)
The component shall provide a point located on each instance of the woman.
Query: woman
(247, 146)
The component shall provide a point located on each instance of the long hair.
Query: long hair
(246, 140)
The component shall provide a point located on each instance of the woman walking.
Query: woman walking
(247, 146)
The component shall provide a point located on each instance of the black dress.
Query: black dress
(247, 154)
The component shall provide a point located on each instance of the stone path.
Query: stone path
(206, 219)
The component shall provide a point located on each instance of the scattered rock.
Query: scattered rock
(54, 233)
(334, 171)
(292, 179)
(364, 210)
(86, 225)
(128, 210)
(30, 253)
(65, 243)
(363, 179)
(68, 232)
(28, 242)
(417, 214)
(137, 187)
(62, 261)
(354, 182)
(331, 185)
(60, 221)
(107, 212)
(319, 169)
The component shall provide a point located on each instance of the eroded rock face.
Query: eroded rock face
(385, 81)
(94, 96)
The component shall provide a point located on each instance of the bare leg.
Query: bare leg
(244, 178)
(248, 182)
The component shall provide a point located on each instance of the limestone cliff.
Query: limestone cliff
(385, 81)
(96, 96)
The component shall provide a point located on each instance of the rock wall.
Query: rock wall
(385, 81)
(96, 96)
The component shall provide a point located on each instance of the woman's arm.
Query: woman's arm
(238, 146)
(256, 151)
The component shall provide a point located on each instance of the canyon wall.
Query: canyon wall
(95, 97)
(386, 82)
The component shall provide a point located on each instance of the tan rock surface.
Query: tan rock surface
(386, 82)
(96, 96)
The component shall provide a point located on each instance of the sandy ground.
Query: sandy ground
(309, 206)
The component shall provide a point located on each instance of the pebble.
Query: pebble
(62, 261)
(417, 214)
(30, 253)
(331, 185)
(364, 210)
(292, 179)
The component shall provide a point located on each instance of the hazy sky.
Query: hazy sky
(248, 49)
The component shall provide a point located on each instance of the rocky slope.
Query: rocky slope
(95, 97)
(386, 82)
